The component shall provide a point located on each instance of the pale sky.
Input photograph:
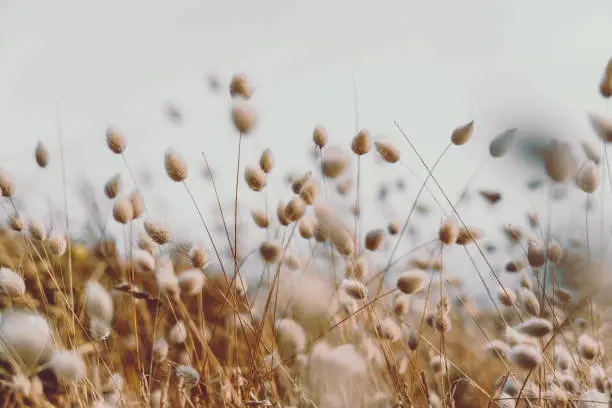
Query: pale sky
(429, 65)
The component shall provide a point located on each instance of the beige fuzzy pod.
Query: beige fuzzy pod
(266, 161)
(319, 136)
(260, 219)
(309, 192)
(138, 205)
(240, 86)
(68, 366)
(374, 239)
(411, 281)
(7, 186)
(255, 178)
(280, 213)
(334, 163)
(449, 232)
(199, 258)
(112, 187)
(191, 282)
(178, 333)
(98, 302)
(57, 245)
(362, 143)
(558, 162)
(176, 166)
(123, 212)
(11, 284)
(535, 327)
(387, 151)
(159, 233)
(144, 261)
(295, 209)
(354, 288)
(160, 350)
(244, 118)
(41, 154)
(591, 152)
(115, 141)
(536, 254)
(526, 356)
(271, 252)
(462, 134)
(291, 337)
(37, 230)
(16, 223)
(588, 179)
(189, 376)
(25, 339)
(306, 228)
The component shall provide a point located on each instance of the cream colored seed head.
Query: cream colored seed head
(306, 227)
(374, 239)
(280, 213)
(319, 136)
(266, 161)
(42, 155)
(558, 162)
(362, 143)
(176, 167)
(309, 192)
(138, 205)
(16, 223)
(241, 86)
(270, 252)
(159, 233)
(255, 178)
(462, 134)
(113, 186)
(605, 86)
(198, 257)
(387, 151)
(588, 179)
(57, 245)
(411, 281)
(115, 140)
(11, 284)
(449, 232)
(37, 230)
(244, 118)
(260, 218)
(123, 212)
(295, 209)
(7, 187)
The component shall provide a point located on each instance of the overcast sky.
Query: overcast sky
(431, 65)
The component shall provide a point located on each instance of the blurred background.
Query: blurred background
(145, 67)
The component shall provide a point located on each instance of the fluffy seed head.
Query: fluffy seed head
(189, 376)
(530, 301)
(178, 333)
(11, 284)
(468, 235)
(115, 140)
(309, 192)
(587, 347)
(387, 151)
(411, 281)
(588, 180)
(280, 213)
(16, 223)
(37, 230)
(113, 186)
(536, 254)
(99, 330)
(498, 349)
(334, 163)
(298, 183)
(158, 232)
(57, 245)
(362, 143)
(462, 134)
(319, 136)
(7, 187)
(271, 252)
(591, 152)
(176, 167)
(98, 302)
(295, 209)
(144, 261)
(240, 86)
(191, 282)
(68, 366)
(198, 257)
(393, 228)
(374, 239)
(357, 269)
(506, 297)
(266, 161)
(244, 118)
(535, 327)
(291, 337)
(160, 350)
(449, 232)
(555, 252)
(260, 218)
(526, 356)
(138, 206)
(500, 145)
(354, 288)
(122, 210)
(25, 338)
(255, 178)
(306, 227)
(42, 155)
(558, 162)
